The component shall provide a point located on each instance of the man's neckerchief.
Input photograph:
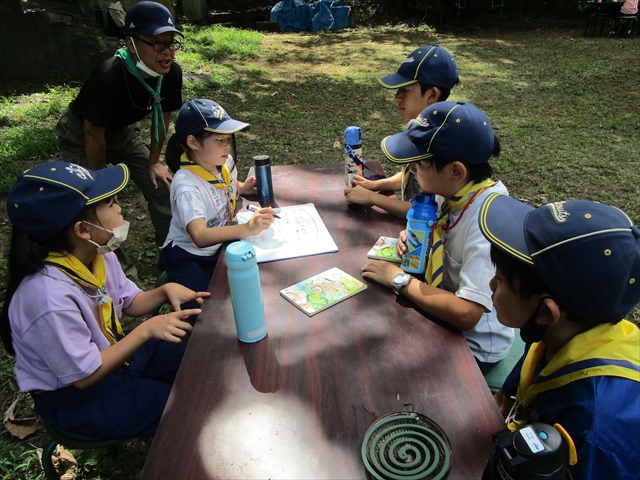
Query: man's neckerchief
(460, 201)
(604, 350)
(226, 184)
(125, 55)
(79, 273)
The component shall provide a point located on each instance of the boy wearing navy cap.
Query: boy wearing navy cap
(566, 275)
(448, 148)
(101, 124)
(425, 77)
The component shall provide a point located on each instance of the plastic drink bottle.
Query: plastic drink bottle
(246, 292)
(352, 148)
(421, 218)
(264, 186)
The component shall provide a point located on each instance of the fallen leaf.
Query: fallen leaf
(20, 427)
(141, 217)
(274, 93)
(65, 464)
(337, 144)
(254, 84)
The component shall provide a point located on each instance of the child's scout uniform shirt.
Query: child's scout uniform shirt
(55, 328)
(596, 399)
(467, 273)
(193, 197)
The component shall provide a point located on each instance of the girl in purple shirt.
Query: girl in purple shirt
(65, 295)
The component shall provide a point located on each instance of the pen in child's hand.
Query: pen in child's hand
(253, 208)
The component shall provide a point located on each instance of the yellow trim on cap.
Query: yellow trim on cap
(495, 240)
(443, 123)
(111, 193)
(56, 182)
(227, 132)
(383, 146)
(399, 85)
(423, 59)
(579, 237)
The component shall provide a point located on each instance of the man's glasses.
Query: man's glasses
(173, 45)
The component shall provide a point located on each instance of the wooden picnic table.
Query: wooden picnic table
(298, 403)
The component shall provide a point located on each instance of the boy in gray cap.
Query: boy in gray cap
(425, 77)
(566, 275)
(448, 148)
(101, 124)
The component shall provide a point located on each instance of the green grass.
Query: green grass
(566, 109)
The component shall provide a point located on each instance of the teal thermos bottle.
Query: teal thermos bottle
(421, 218)
(246, 292)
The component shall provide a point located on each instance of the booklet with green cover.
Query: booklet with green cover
(322, 290)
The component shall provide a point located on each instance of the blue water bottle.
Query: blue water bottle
(352, 150)
(246, 292)
(421, 218)
(264, 186)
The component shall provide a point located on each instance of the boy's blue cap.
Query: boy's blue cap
(149, 18)
(202, 114)
(429, 64)
(46, 198)
(454, 131)
(587, 253)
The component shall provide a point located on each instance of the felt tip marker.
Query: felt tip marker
(253, 208)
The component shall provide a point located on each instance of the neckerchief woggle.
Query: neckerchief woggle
(604, 350)
(225, 184)
(130, 64)
(459, 201)
(79, 273)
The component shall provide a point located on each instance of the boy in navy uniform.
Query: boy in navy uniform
(448, 147)
(425, 77)
(566, 275)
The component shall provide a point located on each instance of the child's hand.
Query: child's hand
(170, 327)
(381, 272)
(401, 246)
(359, 180)
(248, 187)
(261, 220)
(178, 294)
(358, 195)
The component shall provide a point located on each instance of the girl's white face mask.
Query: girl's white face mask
(141, 65)
(119, 235)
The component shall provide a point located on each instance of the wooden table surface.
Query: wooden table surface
(298, 403)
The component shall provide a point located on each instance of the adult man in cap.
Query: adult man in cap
(101, 124)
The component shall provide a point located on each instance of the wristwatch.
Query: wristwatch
(400, 281)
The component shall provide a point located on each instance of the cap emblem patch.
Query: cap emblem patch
(218, 112)
(558, 212)
(79, 171)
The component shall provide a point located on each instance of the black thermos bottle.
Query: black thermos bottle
(262, 168)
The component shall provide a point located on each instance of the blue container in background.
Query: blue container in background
(246, 292)
(421, 218)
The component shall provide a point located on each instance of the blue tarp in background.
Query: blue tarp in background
(297, 15)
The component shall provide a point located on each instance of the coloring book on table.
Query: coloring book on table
(297, 233)
(323, 290)
(385, 249)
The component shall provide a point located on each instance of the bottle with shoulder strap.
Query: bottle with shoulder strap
(352, 153)
(421, 218)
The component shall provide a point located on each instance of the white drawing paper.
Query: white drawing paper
(297, 233)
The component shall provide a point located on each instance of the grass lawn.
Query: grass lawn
(566, 110)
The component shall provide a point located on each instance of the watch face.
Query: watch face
(400, 280)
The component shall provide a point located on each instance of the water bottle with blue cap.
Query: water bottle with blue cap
(352, 153)
(421, 218)
(246, 292)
